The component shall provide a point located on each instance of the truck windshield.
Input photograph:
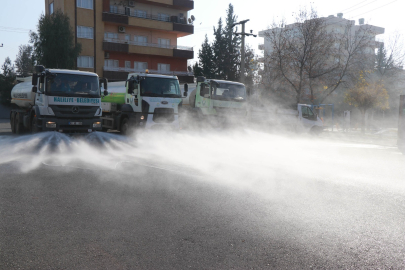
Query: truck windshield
(160, 87)
(227, 91)
(72, 85)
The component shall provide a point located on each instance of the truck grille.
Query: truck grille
(163, 115)
(66, 111)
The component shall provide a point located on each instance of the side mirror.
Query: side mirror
(103, 83)
(131, 86)
(39, 69)
(34, 89)
(34, 79)
(185, 89)
(105, 93)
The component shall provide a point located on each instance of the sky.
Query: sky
(17, 17)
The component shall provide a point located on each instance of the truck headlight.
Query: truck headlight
(97, 124)
(50, 124)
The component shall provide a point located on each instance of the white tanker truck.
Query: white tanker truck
(58, 100)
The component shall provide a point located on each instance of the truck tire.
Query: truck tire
(34, 125)
(19, 125)
(124, 126)
(12, 122)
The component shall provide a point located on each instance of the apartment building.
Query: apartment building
(119, 37)
(336, 24)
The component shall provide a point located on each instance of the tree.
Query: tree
(226, 48)
(24, 61)
(219, 49)
(232, 56)
(197, 70)
(367, 94)
(7, 80)
(314, 56)
(206, 58)
(54, 43)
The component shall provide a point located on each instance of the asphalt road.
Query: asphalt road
(86, 210)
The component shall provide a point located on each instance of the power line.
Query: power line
(354, 6)
(361, 6)
(376, 8)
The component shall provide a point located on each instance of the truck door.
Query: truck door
(308, 118)
(203, 98)
(39, 95)
(134, 99)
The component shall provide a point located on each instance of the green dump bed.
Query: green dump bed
(116, 93)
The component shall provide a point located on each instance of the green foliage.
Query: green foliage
(221, 59)
(7, 80)
(197, 70)
(206, 58)
(367, 94)
(54, 43)
(24, 61)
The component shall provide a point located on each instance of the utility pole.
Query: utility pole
(243, 34)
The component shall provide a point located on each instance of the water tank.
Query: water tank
(22, 95)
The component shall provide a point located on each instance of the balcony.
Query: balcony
(126, 16)
(183, 4)
(151, 71)
(127, 46)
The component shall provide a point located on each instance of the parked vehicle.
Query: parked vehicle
(57, 100)
(143, 101)
(215, 102)
(302, 119)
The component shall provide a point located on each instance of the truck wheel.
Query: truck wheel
(12, 121)
(124, 126)
(34, 125)
(19, 127)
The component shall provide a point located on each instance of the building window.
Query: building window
(85, 32)
(110, 35)
(85, 61)
(163, 68)
(163, 17)
(127, 64)
(111, 63)
(138, 13)
(51, 8)
(140, 40)
(140, 66)
(85, 4)
(164, 43)
(127, 38)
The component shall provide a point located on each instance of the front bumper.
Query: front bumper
(67, 125)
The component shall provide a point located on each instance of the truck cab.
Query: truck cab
(58, 100)
(149, 101)
(218, 101)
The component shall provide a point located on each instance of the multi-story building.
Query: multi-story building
(119, 37)
(336, 24)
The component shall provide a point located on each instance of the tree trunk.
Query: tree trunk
(363, 121)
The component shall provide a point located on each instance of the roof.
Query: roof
(75, 72)
(224, 81)
(153, 75)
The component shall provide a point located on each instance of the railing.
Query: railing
(152, 71)
(143, 15)
(123, 41)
